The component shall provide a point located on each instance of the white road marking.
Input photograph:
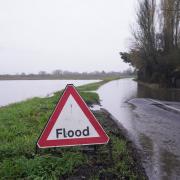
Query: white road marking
(170, 107)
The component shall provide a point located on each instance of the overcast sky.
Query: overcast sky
(74, 35)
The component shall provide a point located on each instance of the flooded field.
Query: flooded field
(15, 91)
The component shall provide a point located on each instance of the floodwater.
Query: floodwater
(155, 131)
(19, 90)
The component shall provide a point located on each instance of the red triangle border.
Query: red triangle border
(44, 143)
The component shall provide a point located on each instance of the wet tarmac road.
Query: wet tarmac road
(158, 135)
(152, 126)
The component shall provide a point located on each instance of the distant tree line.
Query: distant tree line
(59, 74)
(155, 48)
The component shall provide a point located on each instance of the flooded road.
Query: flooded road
(154, 129)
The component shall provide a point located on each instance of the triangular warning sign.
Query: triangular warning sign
(72, 123)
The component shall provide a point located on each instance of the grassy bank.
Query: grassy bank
(20, 126)
(94, 86)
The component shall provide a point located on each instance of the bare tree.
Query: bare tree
(155, 51)
(42, 73)
(145, 34)
(170, 21)
(177, 23)
(57, 72)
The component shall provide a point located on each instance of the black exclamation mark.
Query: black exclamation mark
(71, 108)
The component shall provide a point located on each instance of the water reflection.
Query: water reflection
(114, 95)
(161, 94)
(170, 164)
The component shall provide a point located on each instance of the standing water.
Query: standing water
(18, 90)
(155, 131)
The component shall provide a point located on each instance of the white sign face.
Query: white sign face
(72, 123)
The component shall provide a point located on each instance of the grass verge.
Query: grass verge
(94, 86)
(20, 126)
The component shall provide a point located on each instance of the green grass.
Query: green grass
(90, 97)
(20, 126)
(122, 164)
(91, 86)
(94, 86)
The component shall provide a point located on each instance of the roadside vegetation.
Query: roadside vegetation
(65, 75)
(20, 126)
(155, 46)
(96, 85)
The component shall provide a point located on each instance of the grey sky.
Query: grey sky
(74, 35)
